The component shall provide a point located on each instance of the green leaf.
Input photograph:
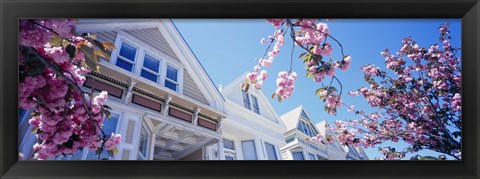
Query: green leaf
(247, 87)
(90, 58)
(273, 95)
(102, 54)
(92, 36)
(109, 45)
(323, 98)
(99, 151)
(107, 107)
(107, 113)
(303, 55)
(34, 130)
(113, 152)
(319, 90)
(65, 43)
(110, 153)
(280, 99)
(55, 40)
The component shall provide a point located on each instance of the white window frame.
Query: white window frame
(141, 155)
(179, 75)
(274, 150)
(158, 74)
(254, 148)
(143, 49)
(250, 100)
(117, 54)
(298, 151)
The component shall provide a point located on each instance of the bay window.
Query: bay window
(148, 63)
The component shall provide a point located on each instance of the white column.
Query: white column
(166, 105)
(131, 84)
(259, 149)
(152, 145)
(195, 116)
(221, 155)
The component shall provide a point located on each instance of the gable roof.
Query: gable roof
(236, 85)
(292, 117)
(178, 46)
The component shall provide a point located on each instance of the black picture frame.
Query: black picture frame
(11, 11)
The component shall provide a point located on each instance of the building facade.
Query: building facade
(166, 107)
(163, 102)
(300, 128)
(252, 129)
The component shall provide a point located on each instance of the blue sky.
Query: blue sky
(228, 47)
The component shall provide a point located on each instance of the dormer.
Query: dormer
(253, 102)
(299, 119)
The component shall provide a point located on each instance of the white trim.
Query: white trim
(186, 56)
(143, 49)
(176, 42)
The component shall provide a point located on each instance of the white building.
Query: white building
(164, 104)
(166, 107)
(300, 128)
(252, 129)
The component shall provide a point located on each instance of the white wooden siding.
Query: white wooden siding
(155, 39)
(106, 36)
(190, 89)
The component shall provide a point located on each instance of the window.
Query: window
(228, 144)
(307, 128)
(171, 78)
(251, 105)
(246, 99)
(271, 152)
(297, 156)
(148, 63)
(305, 115)
(150, 68)
(311, 156)
(249, 151)
(255, 105)
(229, 158)
(290, 139)
(143, 145)
(126, 57)
(321, 158)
